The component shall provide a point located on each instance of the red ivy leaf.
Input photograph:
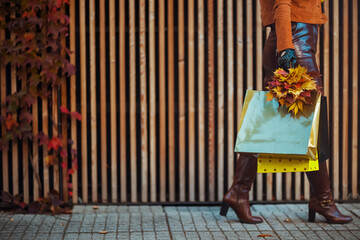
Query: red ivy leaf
(76, 115)
(42, 138)
(10, 122)
(64, 110)
(71, 171)
(54, 143)
(70, 194)
(70, 186)
(63, 153)
(64, 164)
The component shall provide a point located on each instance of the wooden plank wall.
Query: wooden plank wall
(160, 86)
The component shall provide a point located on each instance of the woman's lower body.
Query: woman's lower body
(305, 38)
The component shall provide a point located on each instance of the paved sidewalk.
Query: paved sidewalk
(285, 221)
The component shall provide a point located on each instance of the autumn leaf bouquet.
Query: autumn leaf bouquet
(292, 89)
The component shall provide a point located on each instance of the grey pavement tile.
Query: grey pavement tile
(205, 235)
(348, 235)
(45, 236)
(284, 235)
(311, 235)
(323, 235)
(85, 236)
(356, 233)
(110, 236)
(123, 235)
(136, 236)
(71, 236)
(243, 235)
(178, 235)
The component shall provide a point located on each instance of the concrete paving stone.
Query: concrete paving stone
(20, 236)
(136, 235)
(78, 209)
(218, 235)
(149, 235)
(134, 209)
(157, 209)
(85, 236)
(284, 235)
(356, 234)
(45, 236)
(97, 236)
(323, 235)
(71, 236)
(230, 235)
(298, 234)
(205, 235)
(311, 235)
(243, 235)
(348, 235)
(122, 209)
(110, 236)
(178, 235)
(123, 235)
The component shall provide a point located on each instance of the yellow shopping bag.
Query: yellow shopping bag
(282, 142)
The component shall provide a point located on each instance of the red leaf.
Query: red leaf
(64, 164)
(71, 171)
(22, 205)
(54, 143)
(64, 110)
(70, 194)
(42, 138)
(10, 122)
(76, 115)
(63, 153)
(70, 185)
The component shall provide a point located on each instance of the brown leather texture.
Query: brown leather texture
(283, 12)
(304, 37)
(321, 200)
(237, 197)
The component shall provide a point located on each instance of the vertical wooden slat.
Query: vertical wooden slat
(249, 45)
(93, 111)
(25, 149)
(5, 167)
(345, 101)
(191, 106)
(132, 29)
(335, 100)
(181, 62)
(239, 59)
(297, 186)
(73, 94)
(355, 99)
(171, 101)
(230, 91)
(143, 93)
(55, 118)
(201, 101)
(103, 137)
(64, 127)
(15, 145)
(35, 151)
(220, 98)
(84, 183)
(162, 101)
(45, 119)
(306, 188)
(259, 86)
(122, 67)
(152, 83)
(211, 99)
(112, 49)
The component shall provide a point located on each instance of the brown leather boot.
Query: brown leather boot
(237, 197)
(321, 201)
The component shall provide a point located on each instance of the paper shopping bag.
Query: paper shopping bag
(282, 141)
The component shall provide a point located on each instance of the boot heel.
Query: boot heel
(224, 209)
(312, 215)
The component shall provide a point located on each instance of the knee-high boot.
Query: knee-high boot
(237, 197)
(321, 201)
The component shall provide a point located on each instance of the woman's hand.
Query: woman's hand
(287, 59)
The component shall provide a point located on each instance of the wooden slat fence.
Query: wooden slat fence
(160, 86)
